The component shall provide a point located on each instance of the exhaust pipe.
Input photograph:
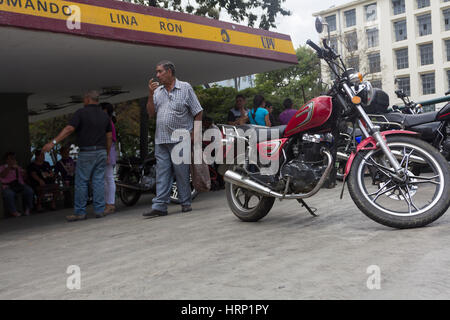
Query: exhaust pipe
(130, 186)
(342, 156)
(246, 183)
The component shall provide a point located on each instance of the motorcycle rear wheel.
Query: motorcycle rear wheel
(129, 197)
(247, 205)
(414, 202)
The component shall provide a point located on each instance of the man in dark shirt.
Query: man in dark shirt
(94, 138)
(238, 114)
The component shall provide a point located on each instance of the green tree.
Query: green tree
(238, 10)
(299, 82)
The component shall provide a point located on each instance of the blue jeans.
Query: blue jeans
(9, 196)
(90, 164)
(165, 171)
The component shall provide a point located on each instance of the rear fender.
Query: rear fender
(371, 144)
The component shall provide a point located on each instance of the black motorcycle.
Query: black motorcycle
(135, 177)
(433, 127)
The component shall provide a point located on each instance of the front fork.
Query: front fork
(370, 130)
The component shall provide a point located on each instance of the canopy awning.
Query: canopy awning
(45, 52)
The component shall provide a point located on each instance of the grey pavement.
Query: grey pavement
(209, 254)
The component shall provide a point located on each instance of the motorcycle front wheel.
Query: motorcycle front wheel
(415, 200)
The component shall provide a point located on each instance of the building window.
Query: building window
(429, 108)
(424, 22)
(350, 18)
(371, 12)
(372, 37)
(402, 58)
(331, 20)
(332, 76)
(428, 86)
(374, 62)
(404, 85)
(423, 3)
(426, 54)
(334, 44)
(377, 84)
(351, 41)
(447, 48)
(400, 30)
(353, 62)
(448, 77)
(446, 19)
(398, 6)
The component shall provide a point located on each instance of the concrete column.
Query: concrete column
(14, 129)
(143, 128)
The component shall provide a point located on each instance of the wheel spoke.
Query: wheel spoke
(406, 199)
(385, 191)
(386, 171)
(410, 198)
(246, 201)
(425, 180)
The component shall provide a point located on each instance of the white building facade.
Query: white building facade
(401, 44)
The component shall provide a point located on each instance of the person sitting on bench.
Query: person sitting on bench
(42, 179)
(12, 179)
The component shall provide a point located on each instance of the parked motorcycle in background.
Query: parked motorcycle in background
(135, 177)
(433, 127)
(392, 194)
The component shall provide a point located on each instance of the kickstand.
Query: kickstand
(310, 210)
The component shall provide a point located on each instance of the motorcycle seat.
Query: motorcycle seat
(411, 120)
(265, 133)
(427, 130)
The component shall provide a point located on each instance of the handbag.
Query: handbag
(15, 185)
(201, 179)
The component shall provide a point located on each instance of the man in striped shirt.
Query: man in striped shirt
(175, 106)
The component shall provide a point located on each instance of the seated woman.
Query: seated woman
(42, 179)
(12, 179)
(66, 167)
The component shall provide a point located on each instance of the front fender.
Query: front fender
(371, 144)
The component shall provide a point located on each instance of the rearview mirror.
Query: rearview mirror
(319, 24)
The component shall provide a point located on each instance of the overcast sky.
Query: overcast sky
(300, 25)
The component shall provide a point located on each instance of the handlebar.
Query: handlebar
(315, 47)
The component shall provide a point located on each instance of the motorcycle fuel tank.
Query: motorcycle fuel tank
(312, 115)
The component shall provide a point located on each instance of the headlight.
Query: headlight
(353, 76)
(366, 93)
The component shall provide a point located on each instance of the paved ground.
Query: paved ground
(209, 254)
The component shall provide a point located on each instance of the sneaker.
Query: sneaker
(16, 214)
(76, 217)
(186, 208)
(27, 212)
(155, 213)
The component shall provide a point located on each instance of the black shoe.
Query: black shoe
(155, 213)
(186, 208)
(99, 215)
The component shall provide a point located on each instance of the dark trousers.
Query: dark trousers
(9, 197)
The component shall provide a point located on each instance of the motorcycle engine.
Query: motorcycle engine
(306, 170)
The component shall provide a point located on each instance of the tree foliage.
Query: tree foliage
(299, 82)
(238, 10)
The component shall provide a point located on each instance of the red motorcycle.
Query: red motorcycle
(393, 177)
